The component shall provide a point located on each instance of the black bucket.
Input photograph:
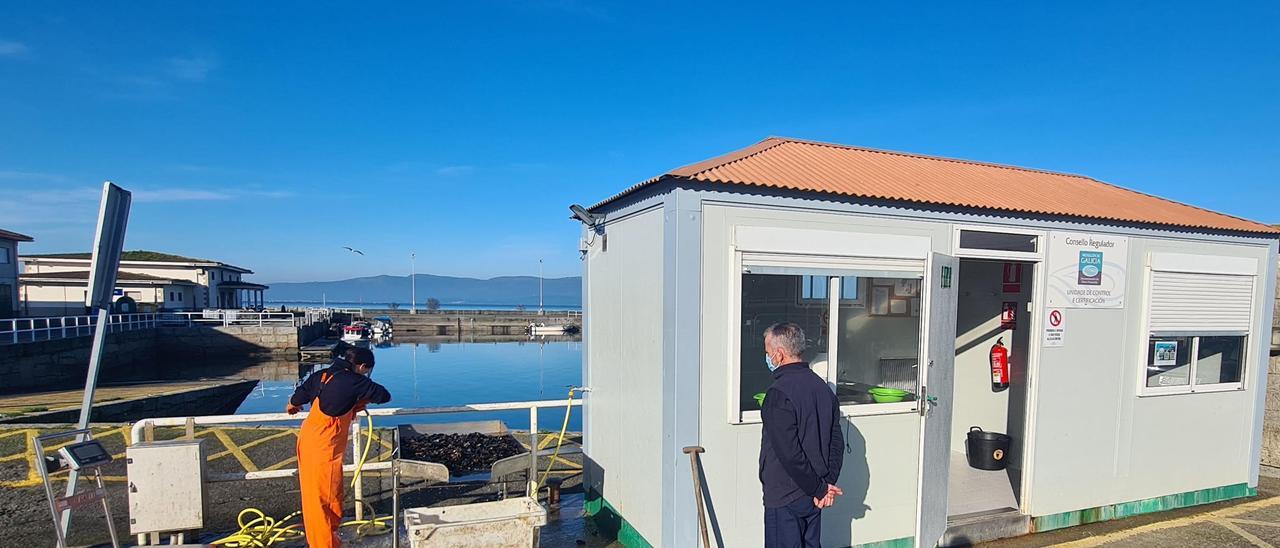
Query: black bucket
(987, 450)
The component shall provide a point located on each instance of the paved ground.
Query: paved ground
(1243, 522)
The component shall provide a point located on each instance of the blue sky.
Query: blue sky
(271, 134)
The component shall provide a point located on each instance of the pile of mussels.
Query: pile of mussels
(461, 453)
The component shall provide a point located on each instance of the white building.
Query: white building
(1138, 331)
(9, 272)
(55, 284)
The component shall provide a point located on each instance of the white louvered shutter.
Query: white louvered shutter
(1199, 303)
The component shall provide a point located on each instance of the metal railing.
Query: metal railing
(28, 330)
(138, 429)
(220, 317)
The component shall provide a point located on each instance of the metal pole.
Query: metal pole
(48, 491)
(533, 452)
(395, 496)
(86, 403)
(355, 459)
(539, 287)
(106, 508)
(413, 283)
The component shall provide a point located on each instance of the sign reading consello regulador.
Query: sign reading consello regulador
(1087, 270)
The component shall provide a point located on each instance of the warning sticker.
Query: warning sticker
(1055, 328)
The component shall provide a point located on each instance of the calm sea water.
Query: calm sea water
(429, 374)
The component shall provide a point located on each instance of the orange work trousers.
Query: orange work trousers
(321, 446)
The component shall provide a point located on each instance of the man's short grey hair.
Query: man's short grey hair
(787, 336)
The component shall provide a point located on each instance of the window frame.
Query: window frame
(859, 302)
(1192, 264)
(862, 267)
(974, 253)
(1193, 386)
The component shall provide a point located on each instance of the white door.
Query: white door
(935, 439)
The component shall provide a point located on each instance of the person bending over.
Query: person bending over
(336, 394)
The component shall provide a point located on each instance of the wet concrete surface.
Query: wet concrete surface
(1216, 524)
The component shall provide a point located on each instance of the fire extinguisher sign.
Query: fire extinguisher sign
(1009, 315)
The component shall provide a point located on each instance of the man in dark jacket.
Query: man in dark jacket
(801, 447)
(336, 394)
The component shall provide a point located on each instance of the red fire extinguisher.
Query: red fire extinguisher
(999, 366)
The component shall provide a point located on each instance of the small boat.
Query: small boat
(382, 326)
(544, 329)
(356, 331)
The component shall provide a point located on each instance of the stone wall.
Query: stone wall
(1271, 417)
(202, 342)
(63, 363)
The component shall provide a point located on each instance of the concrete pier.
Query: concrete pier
(126, 402)
(487, 322)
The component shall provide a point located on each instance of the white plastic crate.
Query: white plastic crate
(507, 523)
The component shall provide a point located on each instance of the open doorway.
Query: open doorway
(992, 310)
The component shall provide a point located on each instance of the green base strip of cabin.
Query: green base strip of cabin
(904, 542)
(611, 524)
(1122, 510)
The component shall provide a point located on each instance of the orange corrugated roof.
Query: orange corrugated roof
(809, 166)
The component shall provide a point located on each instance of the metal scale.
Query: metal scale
(86, 456)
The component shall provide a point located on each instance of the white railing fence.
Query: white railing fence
(27, 330)
(219, 317)
(138, 430)
(45, 328)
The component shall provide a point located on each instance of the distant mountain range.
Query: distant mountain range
(504, 290)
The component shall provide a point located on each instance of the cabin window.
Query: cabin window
(862, 328)
(4, 255)
(768, 299)
(1198, 325)
(814, 290)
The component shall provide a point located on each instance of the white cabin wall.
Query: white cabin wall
(624, 317)
(1097, 442)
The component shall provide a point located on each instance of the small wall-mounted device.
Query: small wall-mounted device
(592, 220)
(84, 455)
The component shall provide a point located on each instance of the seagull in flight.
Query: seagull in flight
(353, 250)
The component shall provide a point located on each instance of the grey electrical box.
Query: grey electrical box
(166, 486)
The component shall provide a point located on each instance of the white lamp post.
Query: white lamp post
(413, 283)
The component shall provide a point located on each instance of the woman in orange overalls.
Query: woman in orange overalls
(336, 394)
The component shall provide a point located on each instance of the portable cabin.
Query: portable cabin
(1136, 331)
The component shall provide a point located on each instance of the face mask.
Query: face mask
(768, 360)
